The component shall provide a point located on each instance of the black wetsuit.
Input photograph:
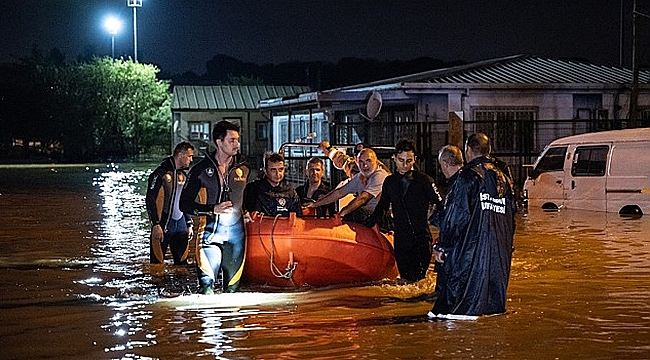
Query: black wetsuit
(162, 191)
(410, 196)
(220, 238)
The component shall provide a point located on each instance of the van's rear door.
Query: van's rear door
(585, 181)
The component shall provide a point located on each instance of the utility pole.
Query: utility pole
(135, 4)
(634, 94)
(620, 40)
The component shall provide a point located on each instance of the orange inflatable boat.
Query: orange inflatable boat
(308, 251)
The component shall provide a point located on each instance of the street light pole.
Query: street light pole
(135, 4)
(112, 25)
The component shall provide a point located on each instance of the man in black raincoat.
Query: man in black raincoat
(476, 240)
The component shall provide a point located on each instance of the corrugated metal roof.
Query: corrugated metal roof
(519, 69)
(228, 97)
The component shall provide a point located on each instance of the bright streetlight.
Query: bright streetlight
(113, 26)
(134, 4)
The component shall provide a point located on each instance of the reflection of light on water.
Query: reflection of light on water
(223, 316)
(129, 322)
(121, 248)
(90, 281)
(229, 301)
(123, 239)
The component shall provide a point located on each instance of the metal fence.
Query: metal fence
(517, 142)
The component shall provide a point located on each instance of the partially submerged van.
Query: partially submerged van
(603, 171)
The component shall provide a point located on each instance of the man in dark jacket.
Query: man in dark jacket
(410, 193)
(169, 226)
(476, 239)
(214, 192)
(316, 187)
(272, 195)
(450, 158)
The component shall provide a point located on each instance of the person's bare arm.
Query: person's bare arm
(330, 197)
(356, 203)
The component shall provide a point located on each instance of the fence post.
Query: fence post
(456, 128)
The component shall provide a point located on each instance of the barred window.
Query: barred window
(508, 127)
(199, 131)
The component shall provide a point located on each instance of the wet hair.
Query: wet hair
(271, 157)
(182, 147)
(451, 154)
(315, 160)
(220, 129)
(479, 143)
(404, 145)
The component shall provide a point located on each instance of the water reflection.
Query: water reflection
(75, 276)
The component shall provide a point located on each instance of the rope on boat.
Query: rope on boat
(275, 270)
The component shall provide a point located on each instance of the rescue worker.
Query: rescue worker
(169, 226)
(214, 191)
(476, 238)
(409, 193)
(272, 195)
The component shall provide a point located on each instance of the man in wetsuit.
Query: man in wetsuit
(476, 239)
(272, 195)
(316, 187)
(169, 226)
(214, 192)
(409, 193)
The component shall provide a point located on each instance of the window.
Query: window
(509, 127)
(553, 160)
(199, 131)
(305, 127)
(590, 161)
(261, 130)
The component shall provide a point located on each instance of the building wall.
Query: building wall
(253, 141)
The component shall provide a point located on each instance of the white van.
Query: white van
(603, 171)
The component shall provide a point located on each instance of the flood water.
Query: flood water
(75, 283)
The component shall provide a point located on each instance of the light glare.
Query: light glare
(112, 25)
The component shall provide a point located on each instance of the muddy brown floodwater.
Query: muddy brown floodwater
(75, 284)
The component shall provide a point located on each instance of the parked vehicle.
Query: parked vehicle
(603, 171)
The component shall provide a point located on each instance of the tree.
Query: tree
(132, 107)
(103, 108)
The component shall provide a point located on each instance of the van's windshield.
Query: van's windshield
(553, 160)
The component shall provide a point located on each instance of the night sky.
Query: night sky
(181, 36)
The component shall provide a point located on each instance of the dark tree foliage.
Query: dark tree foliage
(83, 111)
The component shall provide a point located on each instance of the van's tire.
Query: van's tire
(549, 206)
(633, 211)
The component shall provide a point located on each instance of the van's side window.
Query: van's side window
(590, 161)
(553, 160)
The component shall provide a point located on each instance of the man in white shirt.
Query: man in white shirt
(366, 185)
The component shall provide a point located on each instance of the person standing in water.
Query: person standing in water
(409, 193)
(214, 191)
(169, 226)
(476, 239)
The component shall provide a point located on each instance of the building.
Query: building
(195, 109)
(522, 102)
